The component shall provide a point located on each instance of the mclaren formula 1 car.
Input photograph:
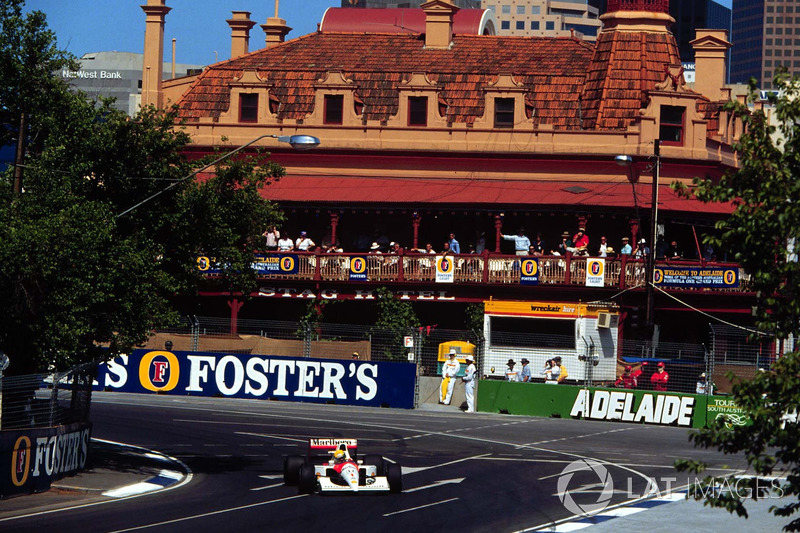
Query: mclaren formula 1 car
(333, 465)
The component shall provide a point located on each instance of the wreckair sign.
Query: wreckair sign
(261, 376)
(629, 407)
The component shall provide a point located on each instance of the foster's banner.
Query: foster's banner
(261, 376)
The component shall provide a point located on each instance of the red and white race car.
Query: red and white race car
(342, 471)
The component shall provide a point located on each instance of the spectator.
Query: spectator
(708, 252)
(550, 372)
(531, 250)
(356, 355)
(642, 250)
(395, 248)
(480, 246)
(659, 378)
(449, 371)
(285, 244)
(628, 379)
(446, 248)
(454, 246)
(427, 250)
(661, 248)
(511, 374)
(580, 242)
(602, 251)
(375, 248)
(562, 370)
(538, 246)
(273, 236)
(521, 242)
(626, 247)
(470, 249)
(703, 386)
(525, 373)
(304, 243)
(564, 246)
(673, 252)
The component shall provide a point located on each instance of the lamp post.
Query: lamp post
(298, 142)
(627, 161)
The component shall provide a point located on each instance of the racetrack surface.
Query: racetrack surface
(480, 472)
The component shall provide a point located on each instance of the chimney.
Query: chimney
(275, 29)
(439, 24)
(710, 47)
(153, 64)
(240, 25)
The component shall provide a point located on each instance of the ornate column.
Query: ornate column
(416, 219)
(334, 225)
(498, 232)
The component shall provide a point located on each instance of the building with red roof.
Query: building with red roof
(433, 130)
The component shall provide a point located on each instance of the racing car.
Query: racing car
(342, 471)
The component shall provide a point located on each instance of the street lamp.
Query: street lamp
(627, 161)
(298, 142)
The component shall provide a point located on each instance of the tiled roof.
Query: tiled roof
(552, 70)
(625, 66)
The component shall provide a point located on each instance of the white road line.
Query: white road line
(437, 484)
(420, 507)
(212, 513)
(415, 469)
(269, 486)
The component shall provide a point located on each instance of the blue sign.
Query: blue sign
(529, 272)
(358, 268)
(265, 377)
(704, 278)
(263, 264)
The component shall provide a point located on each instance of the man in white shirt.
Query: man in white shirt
(511, 374)
(469, 383)
(304, 244)
(449, 372)
(521, 242)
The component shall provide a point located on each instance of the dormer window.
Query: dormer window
(671, 125)
(417, 110)
(248, 107)
(334, 109)
(503, 112)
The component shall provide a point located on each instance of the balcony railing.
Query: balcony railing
(495, 269)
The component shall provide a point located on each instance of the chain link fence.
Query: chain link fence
(46, 400)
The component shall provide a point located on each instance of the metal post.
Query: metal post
(651, 257)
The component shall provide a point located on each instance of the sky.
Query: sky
(83, 26)
(199, 27)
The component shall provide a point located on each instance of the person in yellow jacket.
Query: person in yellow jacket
(449, 371)
(562, 375)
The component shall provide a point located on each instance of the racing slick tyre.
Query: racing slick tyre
(307, 482)
(291, 469)
(394, 475)
(377, 460)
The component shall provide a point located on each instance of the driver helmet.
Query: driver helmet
(339, 456)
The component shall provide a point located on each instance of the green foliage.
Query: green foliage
(765, 191)
(78, 274)
(473, 319)
(394, 320)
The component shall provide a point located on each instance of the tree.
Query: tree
(84, 277)
(761, 234)
(394, 320)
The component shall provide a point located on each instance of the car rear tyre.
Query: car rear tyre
(394, 475)
(308, 481)
(291, 469)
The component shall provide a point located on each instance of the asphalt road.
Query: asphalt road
(474, 472)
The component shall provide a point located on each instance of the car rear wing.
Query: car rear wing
(324, 447)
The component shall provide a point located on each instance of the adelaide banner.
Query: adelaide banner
(380, 384)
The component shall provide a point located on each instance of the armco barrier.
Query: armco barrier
(33, 458)
(594, 403)
(368, 383)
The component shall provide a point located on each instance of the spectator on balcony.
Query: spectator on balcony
(395, 248)
(708, 252)
(272, 236)
(602, 250)
(521, 242)
(304, 243)
(538, 246)
(427, 250)
(446, 248)
(642, 250)
(564, 246)
(673, 251)
(580, 242)
(285, 244)
(626, 247)
(375, 248)
(454, 246)
(480, 245)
